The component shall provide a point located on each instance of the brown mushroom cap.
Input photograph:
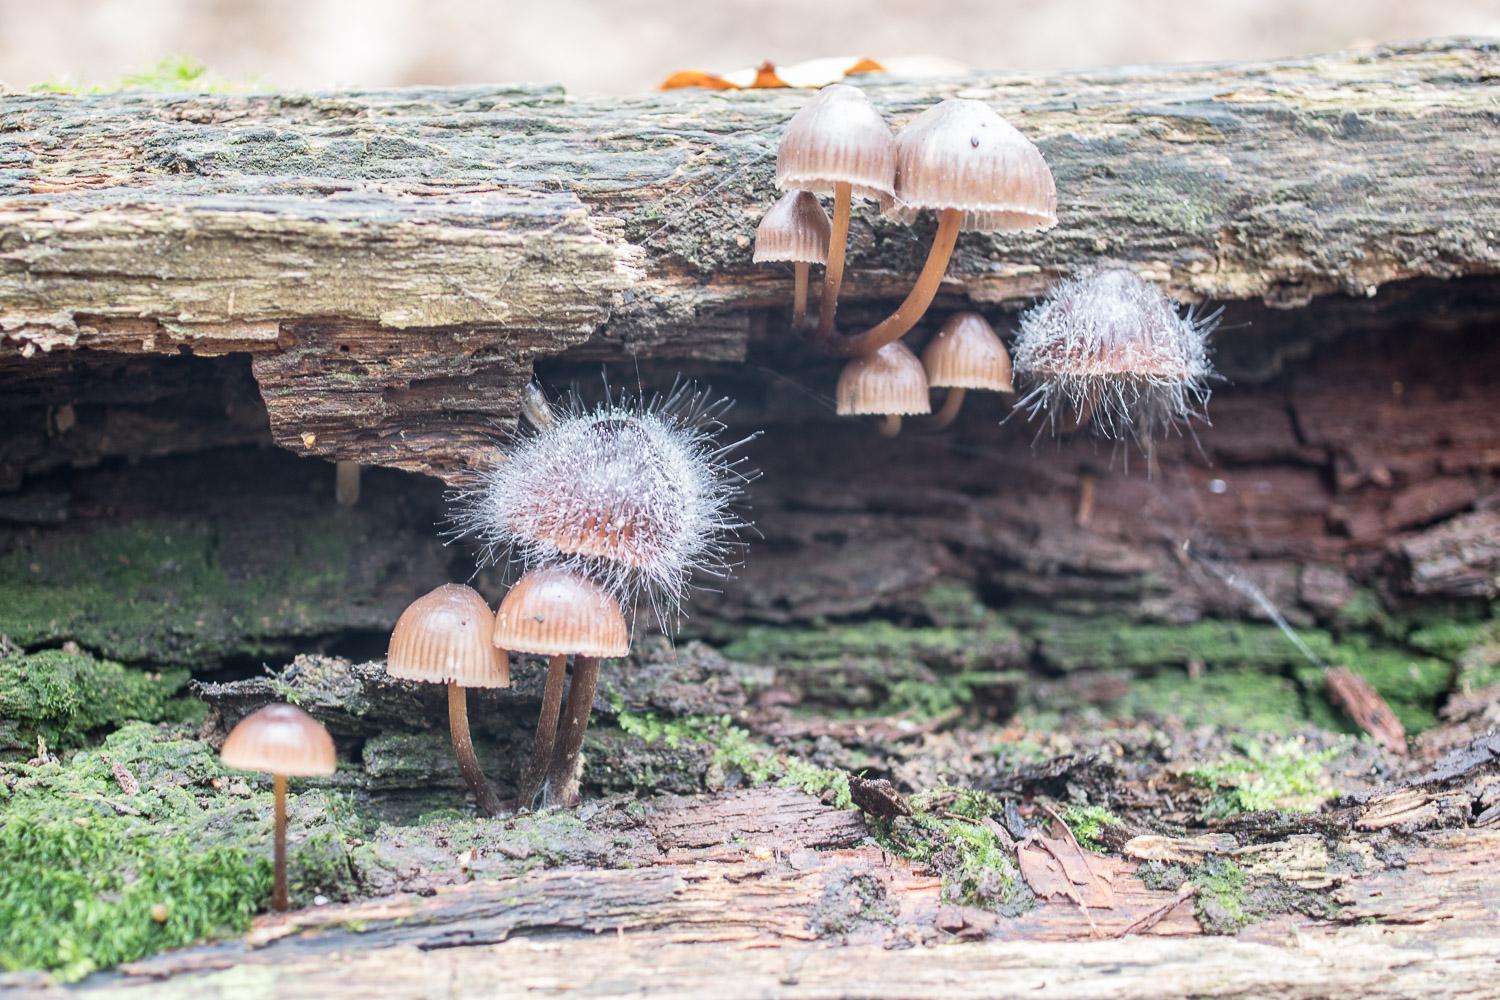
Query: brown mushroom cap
(891, 381)
(554, 612)
(795, 229)
(962, 155)
(444, 637)
(966, 354)
(280, 739)
(837, 137)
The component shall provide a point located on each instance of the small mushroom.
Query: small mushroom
(443, 638)
(796, 230)
(557, 613)
(965, 354)
(280, 740)
(837, 144)
(979, 174)
(890, 383)
(1111, 350)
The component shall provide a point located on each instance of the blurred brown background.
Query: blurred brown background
(630, 45)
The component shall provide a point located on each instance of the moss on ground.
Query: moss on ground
(986, 644)
(148, 843)
(1287, 776)
(1221, 903)
(948, 833)
(64, 697)
(1087, 824)
(158, 591)
(172, 75)
(734, 750)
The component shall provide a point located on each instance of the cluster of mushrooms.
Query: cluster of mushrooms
(601, 510)
(1107, 349)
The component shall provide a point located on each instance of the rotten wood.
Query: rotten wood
(396, 260)
(764, 882)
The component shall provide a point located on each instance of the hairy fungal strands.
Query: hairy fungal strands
(639, 496)
(1110, 349)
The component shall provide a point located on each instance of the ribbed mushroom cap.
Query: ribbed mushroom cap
(966, 354)
(444, 637)
(960, 154)
(554, 612)
(890, 381)
(280, 739)
(837, 137)
(795, 229)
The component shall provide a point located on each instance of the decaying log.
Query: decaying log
(395, 260)
(758, 885)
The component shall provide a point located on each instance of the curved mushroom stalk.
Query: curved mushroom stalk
(973, 168)
(948, 412)
(535, 775)
(563, 777)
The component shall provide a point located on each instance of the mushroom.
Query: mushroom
(837, 144)
(556, 613)
(796, 230)
(965, 354)
(443, 638)
(889, 383)
(281, 740)
(346, 483)
(979, 174)
(1111, 349)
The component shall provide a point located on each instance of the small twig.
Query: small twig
(1150, 920)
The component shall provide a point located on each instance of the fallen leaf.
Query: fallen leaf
(1185, 850)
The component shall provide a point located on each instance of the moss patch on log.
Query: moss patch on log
(63, 697)
(162, 591)
(146, 843)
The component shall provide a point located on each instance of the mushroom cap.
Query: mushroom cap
(960, 154)
(280, 739)
(966, 354)
(837, 137)
(1111, 324)
(555, 612)
(444, 637)
(795, 229)
(891, 380)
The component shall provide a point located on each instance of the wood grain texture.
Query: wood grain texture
(396, 259)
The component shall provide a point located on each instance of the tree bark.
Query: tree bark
(396, 260)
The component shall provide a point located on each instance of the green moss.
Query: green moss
(734, 749)
(1287, 776)
(1087, 824)
(84, 860)
(948, 833)
(158, 591)
(986, 645)
(63, 697)
(1235, 698)
(1221, 901)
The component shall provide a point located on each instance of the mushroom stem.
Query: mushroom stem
(278, 890)
(799, 293)
(562, 781)
(897, 324)
(833, 271)
(463, 750)
(546, 734)
(952, 403)
(346, 483)
(890, 426)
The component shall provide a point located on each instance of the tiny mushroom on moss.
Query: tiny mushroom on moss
(963, 161)
(556, 613)
(890, 383)
(795, 230)
(443, 638)
(280, 740)
(965, 354)
(837, 144)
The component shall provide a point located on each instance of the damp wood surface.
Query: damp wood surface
(395, 261)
